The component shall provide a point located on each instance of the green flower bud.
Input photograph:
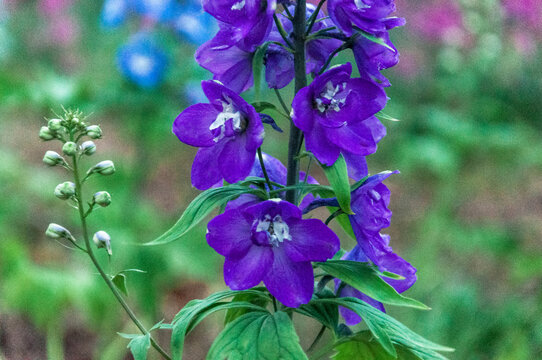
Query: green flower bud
(102, 198)
(54, 124)
(102, 240)
(56, 231)
(105, 167)
(65, 190)
(46, 133)
(88, 148)
(52, 158)
(94, 131)
(69, 148)
(75, 121)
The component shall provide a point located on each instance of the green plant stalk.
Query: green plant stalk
(294, 142)
(90, 252)
(264, 170)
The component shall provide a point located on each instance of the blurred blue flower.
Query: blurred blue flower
(157, 10)
(193, 24)
(114, 13)
(193, 93)
(142, 61)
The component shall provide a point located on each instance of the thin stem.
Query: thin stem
(318, 337)
(262, 165)
(290, 16)
(282, 103)
(335, 52)
(90, 252)
(282, 32)
(299, 25)
(333, 216)
(313, 17)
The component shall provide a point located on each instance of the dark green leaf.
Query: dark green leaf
(386, 328)
(337, 175)
(258, 335)
(139, 346)
(120, 282)
(261, 106)
(200, 207)
(365, 278)
(364, 346)
(326, 314)
(255, 299)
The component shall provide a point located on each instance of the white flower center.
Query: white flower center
(276, 229)
(141, 65)
(228, 113)
(361, 5)
(238, 5)
(328, 98)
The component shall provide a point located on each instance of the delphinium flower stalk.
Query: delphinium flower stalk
(71, 129)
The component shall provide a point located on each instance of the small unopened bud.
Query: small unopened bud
(65, 190)
(94, 131)
(75, 120)
(88, 148)
(102, 240)
(52, 158)
(105, 167)
(102, 198)
(46, 133)
(69, 148)
(56, 231)
(54, 124)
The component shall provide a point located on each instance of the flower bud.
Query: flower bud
(69, 148)
(75, 120)
(46, 133)
(105, 167)
(54, 124)
(102, 240)
(88, 148)
(102, 198)
(94, 131)
(56, 231)
(65, 190)
(52, 158)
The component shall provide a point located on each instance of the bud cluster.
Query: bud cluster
(71, 129)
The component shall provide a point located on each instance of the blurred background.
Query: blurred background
(467, 204)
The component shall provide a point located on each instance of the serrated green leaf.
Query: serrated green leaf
(363, 346)
(364, 277)
(200, 207)
(380, 323)
(337, 175)
(258, 335)
(234, 313)
(196, 310)
(261, 106)
(139, 346)
(120, 282)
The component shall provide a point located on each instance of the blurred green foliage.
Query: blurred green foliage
(467, 205)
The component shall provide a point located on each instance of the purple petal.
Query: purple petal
(324, 150)
(229, 234)
(192, 125)
(205, 170)
(302, 109)
(235, 161)
(350, 317)
(247, 271)
(292, 283)
(356, 164)
(311, 240)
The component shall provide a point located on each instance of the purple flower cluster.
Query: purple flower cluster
(267, 239)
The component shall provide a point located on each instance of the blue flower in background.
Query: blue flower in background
(193, 24)
(142, 61)
(157, 10)
(114, 13)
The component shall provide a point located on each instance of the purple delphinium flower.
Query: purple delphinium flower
(372, 57)
(229, 64)
(270, 242)
(249, 20)
(369, 15)
(336, 114)
(142, 61)
(277, 173)
(228, 131)
(387, 261)
(279, 70)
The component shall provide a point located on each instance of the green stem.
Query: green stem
(282, 103)
(294, 142)
(318, 337)
(262, 165)
(90, 252)
(282, 32)
(314, 16)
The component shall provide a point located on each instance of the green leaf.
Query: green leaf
(386, 329)
(200, 207)
(374, 39)
(257, 68)
(385, 116)
(139, 346)
(344, 221)
(364, 277)
(258, 335)
(326, 314)
(337, 175)
(120, 282)
(196, 310)
(363, 346)
(261, 106)
(255, 299)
